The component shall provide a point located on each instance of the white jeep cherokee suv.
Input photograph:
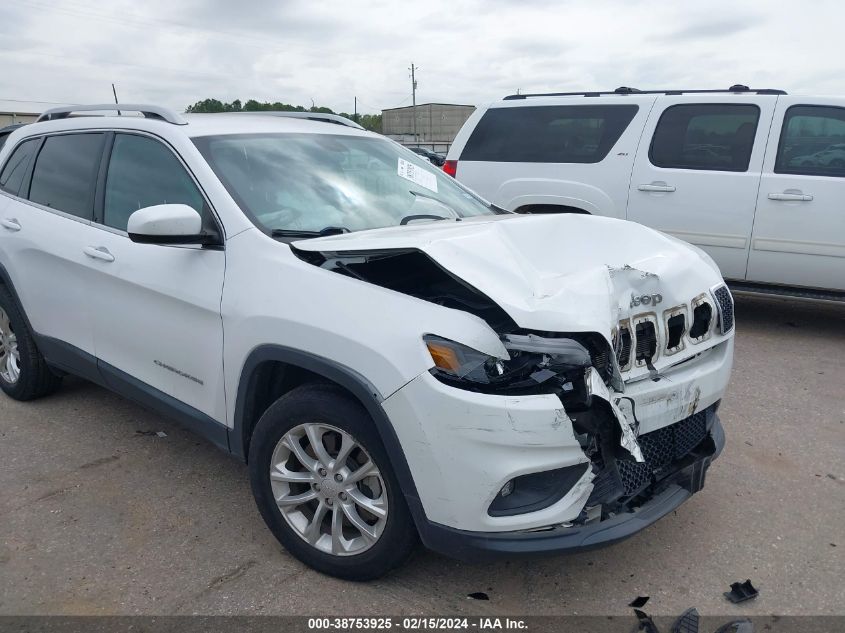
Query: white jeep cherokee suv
(391, 355)
(756, 178)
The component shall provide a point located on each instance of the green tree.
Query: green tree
(370, 122)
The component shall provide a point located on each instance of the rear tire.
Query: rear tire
(344, 515)
(24, 374)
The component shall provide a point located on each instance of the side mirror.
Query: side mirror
(167, 224)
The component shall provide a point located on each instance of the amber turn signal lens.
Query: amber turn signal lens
(444, 357)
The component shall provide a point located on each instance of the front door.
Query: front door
(157, 308)
(799, 230)
(697, 171)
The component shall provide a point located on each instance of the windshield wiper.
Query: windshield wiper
(329, 230)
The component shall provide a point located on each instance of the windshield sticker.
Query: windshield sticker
(411, 172)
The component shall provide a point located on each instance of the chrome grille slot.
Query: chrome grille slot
(702, 317)
(623, 346)
(645, 335)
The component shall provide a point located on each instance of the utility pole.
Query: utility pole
(355, 116)
(414, 100)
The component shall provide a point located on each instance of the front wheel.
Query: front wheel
(323, 484)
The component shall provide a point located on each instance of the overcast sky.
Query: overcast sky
(176, 52)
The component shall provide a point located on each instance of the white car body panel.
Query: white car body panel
(47, 257)
(712, 209)
(798, 242)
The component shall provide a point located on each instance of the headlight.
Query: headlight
(463, 362)
(536, 365)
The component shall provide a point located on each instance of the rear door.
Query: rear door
(45, 235)
(799, 230)
(697, 171)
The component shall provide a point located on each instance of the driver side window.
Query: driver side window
(142, 173)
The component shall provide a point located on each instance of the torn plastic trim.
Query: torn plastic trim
(627, 426)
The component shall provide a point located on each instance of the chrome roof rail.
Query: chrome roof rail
(313, 116)
(148, 111)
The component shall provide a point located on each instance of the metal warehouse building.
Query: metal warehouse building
(437, 124)
(19, 112)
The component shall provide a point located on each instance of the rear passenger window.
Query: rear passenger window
(65, 173)
(812, 142)
(548, 134)
(717, 137)
(142, 173)
(13, 173)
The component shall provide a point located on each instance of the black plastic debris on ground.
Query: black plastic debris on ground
(638, 602)
(478, 595)
(646, 624)
(687, 622)
(741, 591)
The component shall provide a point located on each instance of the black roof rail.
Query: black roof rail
(625, 90)
(148, 111)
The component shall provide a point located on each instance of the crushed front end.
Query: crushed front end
(574, 440)
(593, 411)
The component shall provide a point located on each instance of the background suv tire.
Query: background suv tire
(24, 374)
(323, 483)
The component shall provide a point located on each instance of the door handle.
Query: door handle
(12, 224)
(795, 196)
(98, 252)
(657, 186)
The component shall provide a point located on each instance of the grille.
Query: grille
(646, 341)
(726, 308)
(661, 448)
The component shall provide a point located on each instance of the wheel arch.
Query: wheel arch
(271, 370)
(6, 281)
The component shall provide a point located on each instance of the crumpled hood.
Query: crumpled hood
(557, 273)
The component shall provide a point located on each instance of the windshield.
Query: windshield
(333, 183)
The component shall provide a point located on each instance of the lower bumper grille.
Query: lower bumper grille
(661, 448)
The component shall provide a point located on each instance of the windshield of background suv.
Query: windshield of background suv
(315, 182)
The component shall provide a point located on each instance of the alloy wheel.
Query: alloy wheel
(328, 489)
(10, 358)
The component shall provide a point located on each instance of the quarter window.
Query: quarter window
(717, 137)
(142, 173)
(65, 173)
(548, 134)
(812, 142)
(11, 178)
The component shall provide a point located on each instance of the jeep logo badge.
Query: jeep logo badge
(646, 300)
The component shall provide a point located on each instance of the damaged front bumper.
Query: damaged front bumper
(677, 485)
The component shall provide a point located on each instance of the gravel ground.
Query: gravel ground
(97, 518)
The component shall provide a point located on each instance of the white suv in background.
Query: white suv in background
(756, 178)
(392, 355)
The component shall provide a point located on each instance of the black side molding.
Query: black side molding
(75, 361)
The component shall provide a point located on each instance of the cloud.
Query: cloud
(467, 51)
